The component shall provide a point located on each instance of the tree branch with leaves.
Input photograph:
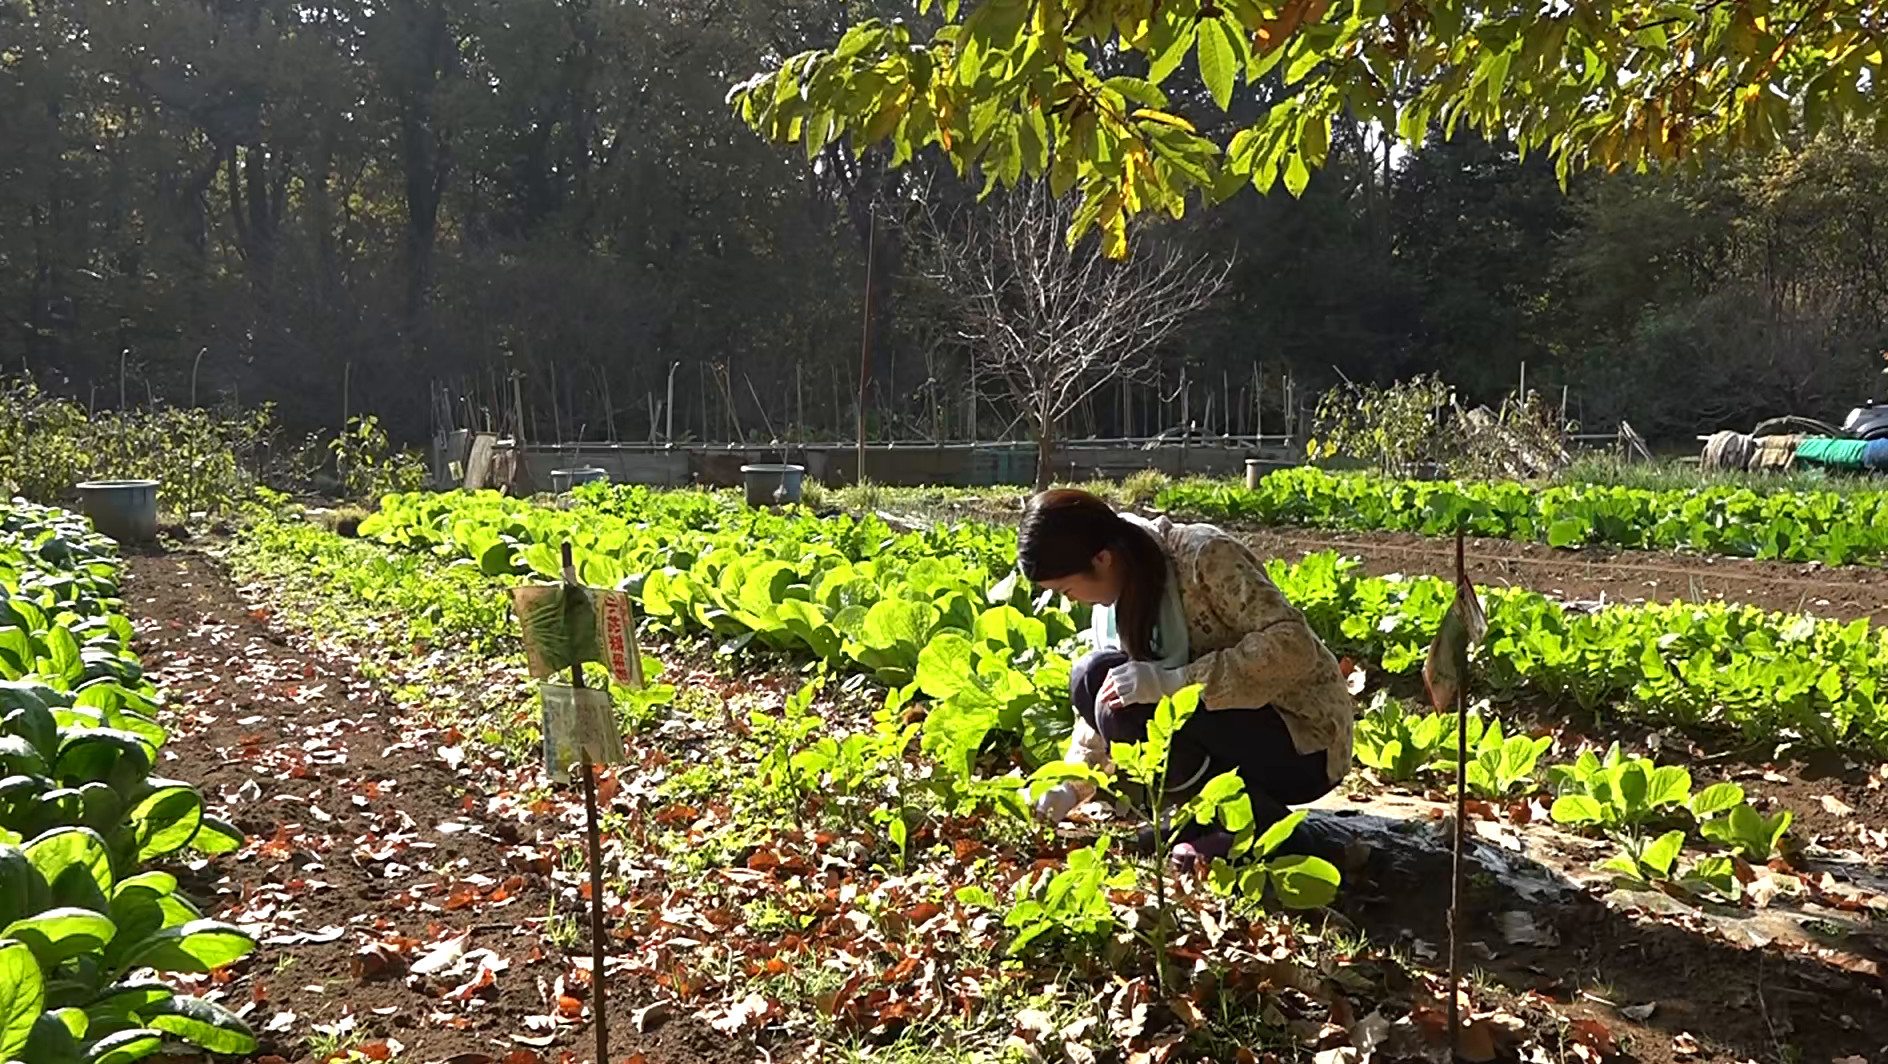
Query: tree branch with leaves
(1015, 88)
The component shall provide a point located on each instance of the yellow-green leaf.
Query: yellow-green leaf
(1219, 60)
(1297, 174)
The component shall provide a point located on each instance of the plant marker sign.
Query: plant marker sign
(565, 625)
(580, 728)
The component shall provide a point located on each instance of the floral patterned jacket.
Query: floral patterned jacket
(1249, 647)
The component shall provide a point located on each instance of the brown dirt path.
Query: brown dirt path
(399, 891)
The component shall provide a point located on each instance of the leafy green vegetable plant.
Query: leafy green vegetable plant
(1070, 904)
(80, 810)
(1646, 861)
(1399, 745)
(1616, 792)
(1501, 763)
(1754, 835)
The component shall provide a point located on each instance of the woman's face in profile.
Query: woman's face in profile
(1099, 586)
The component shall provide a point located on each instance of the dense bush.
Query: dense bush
(205, 461)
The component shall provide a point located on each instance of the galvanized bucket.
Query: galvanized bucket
(771, 484)
(125, 510)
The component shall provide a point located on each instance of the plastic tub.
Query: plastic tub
(562, 480)
(125, 510)
(772, 485)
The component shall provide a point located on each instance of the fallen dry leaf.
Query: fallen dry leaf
(1595, 1036)
(1520, 929)
(1161, 1051)
(1127, 1013)
(1033, 1025)
(1684, 1045)
(647, 1015)
(484, 979)
(1354, 677)
(1188, 1012)
(1835, 806)
(443, 957)
(1370, 1032)
(1478, 1042)
(751, 1012)
(377, 960)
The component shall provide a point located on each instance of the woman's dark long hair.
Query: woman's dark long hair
(1062, 532)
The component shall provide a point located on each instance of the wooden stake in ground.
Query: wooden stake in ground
(596, 861)
(1445, 674)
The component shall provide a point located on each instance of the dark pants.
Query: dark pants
(1251, 742)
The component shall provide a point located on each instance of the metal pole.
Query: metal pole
(596, 861)
(971, 407)
(517, 406)
(1461, 812)
(865, 340)
(1258, 404)
(1186, 421)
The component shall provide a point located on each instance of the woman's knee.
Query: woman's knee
(1085, 679)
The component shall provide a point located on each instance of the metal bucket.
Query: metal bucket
(125, 510)
(772, 485)
(562, 480)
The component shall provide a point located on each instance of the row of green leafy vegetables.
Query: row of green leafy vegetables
(930, 613)
(939, 607)
(937, 620)
(88, 927)
(1648, 810)
(1807, 526)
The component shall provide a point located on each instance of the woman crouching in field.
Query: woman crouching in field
(1178, 605)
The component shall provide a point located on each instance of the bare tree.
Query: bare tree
(1056, 323)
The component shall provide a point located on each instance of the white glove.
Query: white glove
(1057, 802)
(1143, 683)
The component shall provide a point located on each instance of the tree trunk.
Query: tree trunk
(1045, 452)
(425, 159)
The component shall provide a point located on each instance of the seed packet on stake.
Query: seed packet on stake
(565, 625)
(579, 725)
